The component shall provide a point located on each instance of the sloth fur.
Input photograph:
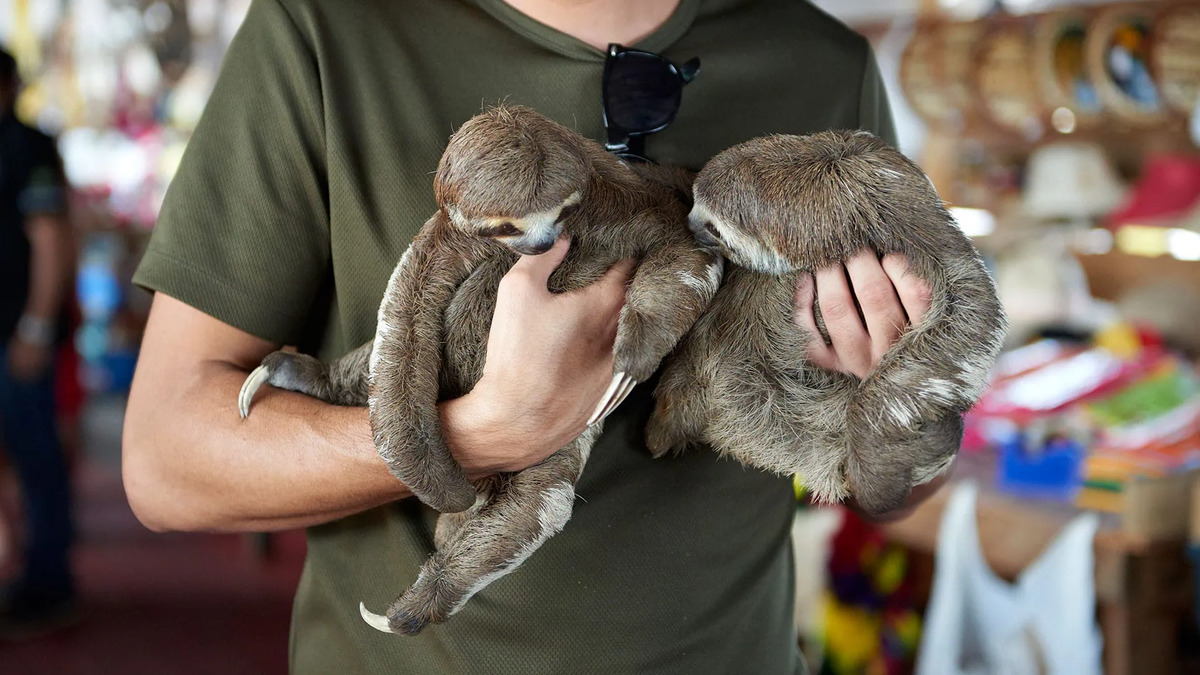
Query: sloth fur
(510, 181)
(781, 206)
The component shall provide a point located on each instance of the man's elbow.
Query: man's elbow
(148, 489)
(144, 490)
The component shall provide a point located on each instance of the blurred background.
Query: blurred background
(1064, 134)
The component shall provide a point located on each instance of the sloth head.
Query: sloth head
(781, 203)
(511, 175)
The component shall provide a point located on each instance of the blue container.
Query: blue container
(1053, 471)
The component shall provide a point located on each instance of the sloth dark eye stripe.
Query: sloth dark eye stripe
(567, 212)
(501, 230)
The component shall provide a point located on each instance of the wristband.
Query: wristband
(35, 330)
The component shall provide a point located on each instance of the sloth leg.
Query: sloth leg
(519, 513)
(342, 382)
(448, 524)
(670, 290)
(903, 422)
(883, 466)
(680, 412)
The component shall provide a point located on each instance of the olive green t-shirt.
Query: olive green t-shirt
(306, 179)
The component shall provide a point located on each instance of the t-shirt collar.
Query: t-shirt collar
(551, 38)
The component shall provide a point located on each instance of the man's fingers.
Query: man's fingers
(850, 340)
(915, 294)
(881, 309)
(540, 267)
(821, 354)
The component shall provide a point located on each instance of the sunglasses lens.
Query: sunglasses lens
(642, 92)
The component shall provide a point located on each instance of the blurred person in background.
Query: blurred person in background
(303, 184)
(36, 259)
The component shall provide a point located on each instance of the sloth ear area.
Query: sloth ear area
(567, 211)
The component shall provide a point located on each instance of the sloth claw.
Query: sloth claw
(622, 393)
(602, 407)
(376, 621)
(254, 380)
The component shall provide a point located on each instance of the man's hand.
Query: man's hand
(549, 361)
(890, 300)
(889, 297)
(27, 361)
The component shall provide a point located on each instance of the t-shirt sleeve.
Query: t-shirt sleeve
(874, 112)
(243, 233)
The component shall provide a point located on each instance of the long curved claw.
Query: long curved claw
(254, 380)
(379, 623)
(627, 385)
(624, 394)
(604, 400)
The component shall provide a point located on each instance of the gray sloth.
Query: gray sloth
(781, 206)
(510, 181)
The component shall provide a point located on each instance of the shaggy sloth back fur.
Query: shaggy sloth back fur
(510, 181)
(781, 206)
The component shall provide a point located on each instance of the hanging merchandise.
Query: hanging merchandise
(1166, 194)
(1005, 80)
(1118, 60)
(1068, 187)
(979, 624)
(1067, 90)
(871, 623)
(1071, 182)
(935, 72)
(1175, 55)
(1041, 285)
(1194, 123)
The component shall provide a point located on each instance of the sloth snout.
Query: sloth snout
(704, 233)
(533, 248)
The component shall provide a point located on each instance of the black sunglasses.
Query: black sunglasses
(641, 94)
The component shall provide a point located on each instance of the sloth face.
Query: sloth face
(512, 175)
(739, 245)
(529, 234)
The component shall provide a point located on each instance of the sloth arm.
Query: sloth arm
(894, 292)
(190, 462)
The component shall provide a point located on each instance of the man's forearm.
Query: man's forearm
(191, 463)
(51, 259)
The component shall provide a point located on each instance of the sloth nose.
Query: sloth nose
(535, 248)
(702, 234)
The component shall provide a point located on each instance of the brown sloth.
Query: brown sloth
(509, 182)
(512, 181)
(778, 207)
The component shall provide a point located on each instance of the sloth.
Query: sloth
(781, 206)
(509, 182)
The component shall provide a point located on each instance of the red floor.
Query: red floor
(158, 604)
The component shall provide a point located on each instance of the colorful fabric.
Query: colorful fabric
(872, 620)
